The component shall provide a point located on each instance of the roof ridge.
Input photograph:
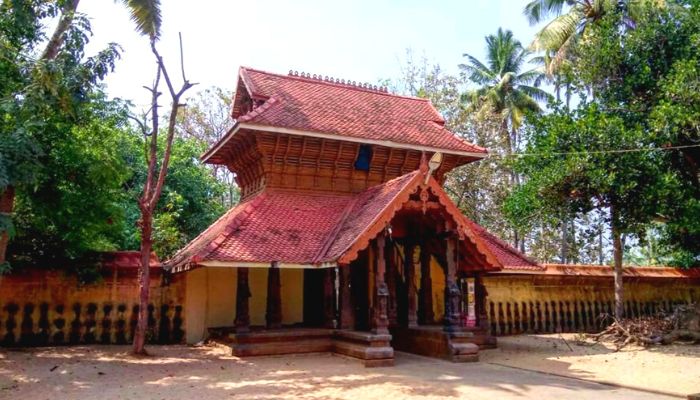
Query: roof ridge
(249, 116)
(339, 85)
(336, 230)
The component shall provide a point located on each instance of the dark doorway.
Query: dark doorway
(313, 297)
(359, 274)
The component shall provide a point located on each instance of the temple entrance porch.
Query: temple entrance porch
(416, 286)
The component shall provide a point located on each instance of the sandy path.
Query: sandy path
(180, 372)
(671, 369)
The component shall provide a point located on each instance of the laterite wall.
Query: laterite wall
(549, 303)
(41, 307)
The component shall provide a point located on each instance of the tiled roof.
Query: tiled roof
(508, 256)
(607, 271)
(314, 105)
(295, 227)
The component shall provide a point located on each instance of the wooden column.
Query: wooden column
(481, 294)
(390, 279)
(242, 321)
(380, 321)
(328, 301)
(410, 269)
(347, 315)
(425, 312)
(452, 293)
(273, 315)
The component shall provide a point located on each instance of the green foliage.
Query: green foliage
(189, 203)
(55, 131)
(644, 82)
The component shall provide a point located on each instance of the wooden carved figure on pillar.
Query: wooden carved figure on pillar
(426, 315)
(380, 320)
(390, 279)
(452, 292)
(410, 270)
(347, 317)
(273, 316)
(328, 295)
(242, 321)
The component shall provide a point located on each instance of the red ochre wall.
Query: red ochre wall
(43, 307)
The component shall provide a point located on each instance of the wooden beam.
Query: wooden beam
(390, 279)
(410, 271)
(347, 314)
(452, 292)
(380, 321)
(242, 321)
(425, 311)
(273, 316)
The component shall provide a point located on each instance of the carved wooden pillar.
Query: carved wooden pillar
(380, 321)
(273, 316)
(425, 315)
(452, 292)
(480, 294)
(347, 315)
(390, 279)
(410, 269)
(242, 321)
(328, 295)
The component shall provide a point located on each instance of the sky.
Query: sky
(362, 40)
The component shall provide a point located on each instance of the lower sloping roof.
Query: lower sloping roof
(310, 229)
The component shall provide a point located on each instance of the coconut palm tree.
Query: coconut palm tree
(572, 18)
(146, 14)
(504, 88)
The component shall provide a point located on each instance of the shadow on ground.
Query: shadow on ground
(180, 372)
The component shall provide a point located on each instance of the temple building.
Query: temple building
(344, 239)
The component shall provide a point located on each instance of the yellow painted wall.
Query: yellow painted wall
(211, 298)
(437, 275)
(292, 296)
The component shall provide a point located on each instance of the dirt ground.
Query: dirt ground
(181, 372)
(668, 369)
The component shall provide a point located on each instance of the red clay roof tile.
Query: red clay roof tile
(315, 105)
(311, 228)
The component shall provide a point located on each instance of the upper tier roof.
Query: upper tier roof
(303, 104)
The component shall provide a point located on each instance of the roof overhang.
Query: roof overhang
(331, 136)
(244, 264)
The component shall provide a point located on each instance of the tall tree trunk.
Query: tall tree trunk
(7, 203)
(57, 39)
(617, 256)
(565, 240)
(601, 255)
(144, 280)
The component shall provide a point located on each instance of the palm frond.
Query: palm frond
(558, 31)
(537, 10)
(477, 71)
(531, 76)
(146, 14)
(535, 93)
